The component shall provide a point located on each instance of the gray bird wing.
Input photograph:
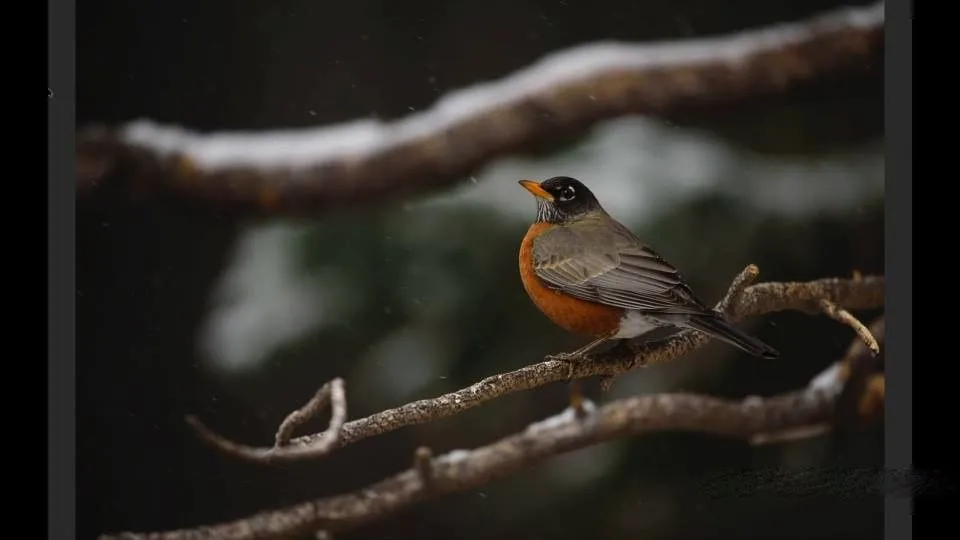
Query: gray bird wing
(587, 262)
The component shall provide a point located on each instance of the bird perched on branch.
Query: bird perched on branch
(590, 275)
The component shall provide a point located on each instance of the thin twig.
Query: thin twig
(864, 293)
(728, 304)
(332, 392)
(841, 315)
(304, 172)
(295, 419)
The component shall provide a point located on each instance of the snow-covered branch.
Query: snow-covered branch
(306, 171)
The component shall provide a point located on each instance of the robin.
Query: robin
(590, 275)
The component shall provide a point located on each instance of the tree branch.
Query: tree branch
(303, 172)
(740, 302)
(841, 315)
(332, 391)
(460, 470)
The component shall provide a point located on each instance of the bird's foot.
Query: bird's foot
(571, 359)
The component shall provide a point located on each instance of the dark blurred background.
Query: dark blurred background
(183, 311)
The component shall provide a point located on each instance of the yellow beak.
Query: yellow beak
(534, 187)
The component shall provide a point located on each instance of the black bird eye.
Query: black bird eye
(567, 193)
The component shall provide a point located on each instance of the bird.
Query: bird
(592, 276)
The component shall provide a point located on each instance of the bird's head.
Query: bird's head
(562, 199)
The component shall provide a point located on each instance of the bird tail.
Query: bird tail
(717, 327)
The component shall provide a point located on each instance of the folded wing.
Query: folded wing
(586, 261)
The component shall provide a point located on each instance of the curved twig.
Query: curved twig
(332, 393)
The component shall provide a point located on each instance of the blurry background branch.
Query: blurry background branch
(309, 171)
(805, 412)
(740, 302)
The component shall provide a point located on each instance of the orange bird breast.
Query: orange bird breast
(570, 313)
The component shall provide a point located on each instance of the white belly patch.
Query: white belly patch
(634, 324)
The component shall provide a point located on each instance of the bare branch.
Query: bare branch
(863, 293)
(313, 408)
(331, 392)
(877, 329)
(308, 171)
(740, 283)
(839, 314)
(462, 470)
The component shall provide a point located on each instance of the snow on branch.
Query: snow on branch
(808, 411)
(307, 171)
